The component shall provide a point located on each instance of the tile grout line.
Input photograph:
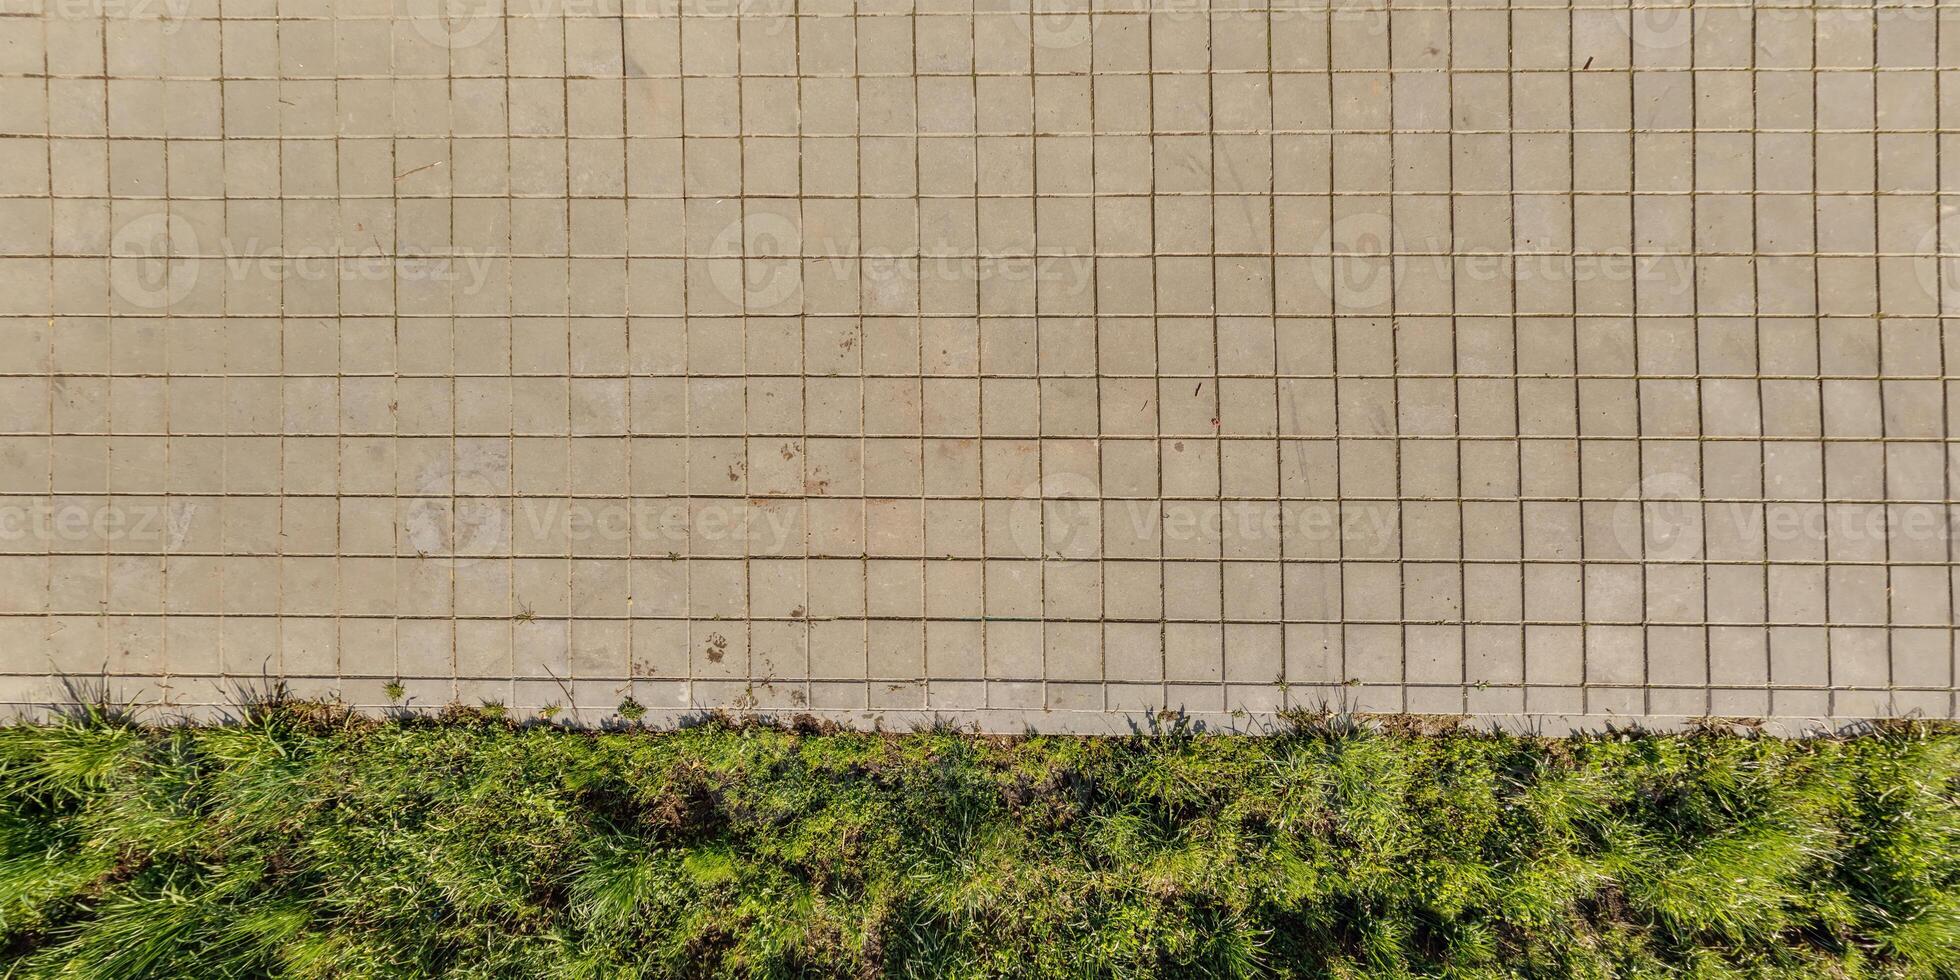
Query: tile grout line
(574, 638)
(395, 363)
(748, 476)
(1578, 444)
(1161, 515)
(1701, 415)
(1639, 409)
(103, 623)
(1762, 416)
(979, 355)
(923, 637)
(1453, 325)
(517, 613)
(1095, 340)
(340, 366)
(1334, 266)
(632, 544)
(1040, 440)
(1216, 324)
(169, 310)
(1817, 306)
(1878, 329)
(454, 548)
(1395, 406)
(857, 305)
(1521, 636)
(687, 362)
(47, 624)
(803, 368)
(1946, 370)
(1283, 696)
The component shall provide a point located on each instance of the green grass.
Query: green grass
(303, 842)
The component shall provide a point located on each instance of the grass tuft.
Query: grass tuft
(304, 841)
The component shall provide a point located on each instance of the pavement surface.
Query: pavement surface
(909, 360)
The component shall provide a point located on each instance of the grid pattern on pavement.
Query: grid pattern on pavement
(894, 359)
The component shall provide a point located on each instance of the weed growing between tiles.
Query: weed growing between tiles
(307, 842)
